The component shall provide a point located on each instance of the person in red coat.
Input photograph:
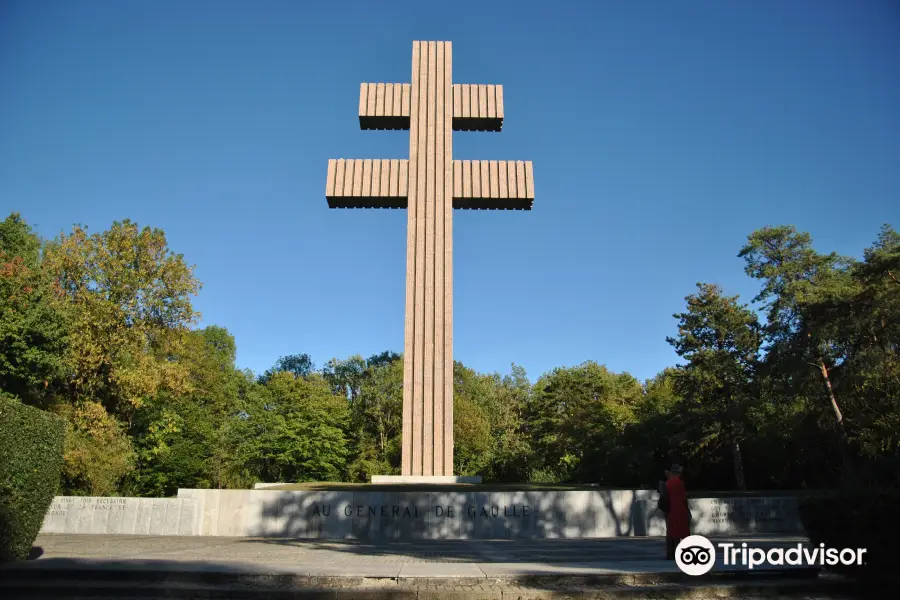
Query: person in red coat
(673, 502)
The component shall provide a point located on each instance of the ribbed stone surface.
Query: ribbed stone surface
(429, 184)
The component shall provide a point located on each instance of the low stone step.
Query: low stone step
(166, 572)
(393, 590)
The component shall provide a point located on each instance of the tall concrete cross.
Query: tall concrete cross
(430, 184)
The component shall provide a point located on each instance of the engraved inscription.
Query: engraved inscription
(384, 511)
(768, 511)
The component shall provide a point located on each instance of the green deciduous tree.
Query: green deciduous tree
(182, 439)
(346, 376)
(512, 449)
(576, 416)
(655, 438)
(295, 430)
(33, 329)
(471, 437)
(300, 365)
(130, 301)
(376, 420)
(98, 452)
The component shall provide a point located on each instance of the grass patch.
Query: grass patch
(437, 487)
(514, 487)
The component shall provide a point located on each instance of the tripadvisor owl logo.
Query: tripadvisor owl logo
(695, 555)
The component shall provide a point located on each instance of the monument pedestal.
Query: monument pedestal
(416, 512)
(424, 479)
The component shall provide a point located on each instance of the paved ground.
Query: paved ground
(85, 567)
(474, 558)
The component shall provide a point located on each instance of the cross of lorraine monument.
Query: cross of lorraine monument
(429, 185)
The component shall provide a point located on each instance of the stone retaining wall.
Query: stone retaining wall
(387, 515)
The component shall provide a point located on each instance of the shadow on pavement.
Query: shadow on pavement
(70, 578)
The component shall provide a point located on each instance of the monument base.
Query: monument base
(424, 479)
(417, 512)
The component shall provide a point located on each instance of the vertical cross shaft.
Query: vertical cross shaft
(428, 342)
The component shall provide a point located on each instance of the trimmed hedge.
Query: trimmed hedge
(31, 459)
(860, 519)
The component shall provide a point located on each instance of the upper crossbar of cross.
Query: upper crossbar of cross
(383, 183)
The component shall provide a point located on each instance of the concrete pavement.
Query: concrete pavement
(76, 566)
(425, 558)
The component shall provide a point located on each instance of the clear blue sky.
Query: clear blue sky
(662, 134)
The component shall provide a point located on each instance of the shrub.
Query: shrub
(859, 519)
(31, 457)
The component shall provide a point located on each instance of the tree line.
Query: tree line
(800, 389)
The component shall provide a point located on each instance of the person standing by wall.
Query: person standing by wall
(673, 502)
